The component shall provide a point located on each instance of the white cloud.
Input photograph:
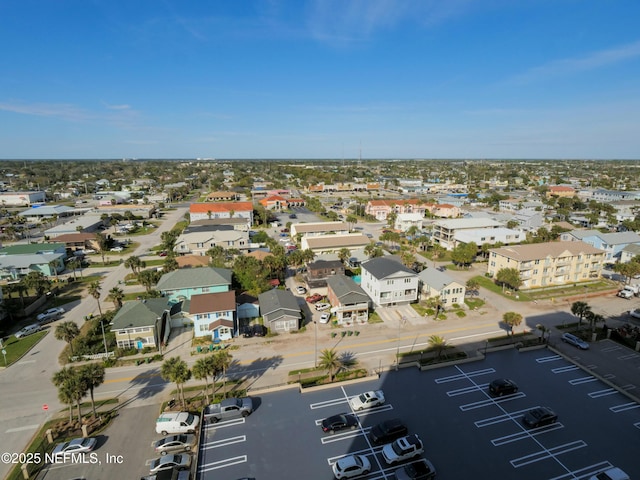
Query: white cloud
(59, 110)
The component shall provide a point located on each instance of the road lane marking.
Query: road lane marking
(20, 429)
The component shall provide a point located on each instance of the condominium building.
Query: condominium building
(550, 263)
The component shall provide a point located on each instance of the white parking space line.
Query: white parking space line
(547, 453)
(465, 390)
(328, 403)
(223, 443)
(637, 424)
(611, 349)
(624, 407)
(585, 472)
(222, 463)
(551, 358)
(465, 376)
(525, 435)
(603, 393)
(500, 418)
(225, 423)
(568, 368)
(382, 408)
(343, 436)
(631, 356)
(490, 402)
(20, 429)
(580, 381)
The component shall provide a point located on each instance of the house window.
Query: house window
(407, 280)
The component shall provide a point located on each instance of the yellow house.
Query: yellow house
(548, 264)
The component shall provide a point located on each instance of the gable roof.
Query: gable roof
(142, 313)
(276, 303)
(194, 278)
(213, 302)
(383, 267)
(346, 290)
(75, 237)
(337, 241)
(435, 279)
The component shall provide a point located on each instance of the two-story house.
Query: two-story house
(434, 283)
(144, 323)
(182, 284)
(320, 270)
(388, 282)
(349, 302)
(199, 241)
(213, 314)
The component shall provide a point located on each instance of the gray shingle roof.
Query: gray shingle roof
(276, 302)
(435, 279)
(347, 291)
(141, 313)
(194, 278)
(382, 267)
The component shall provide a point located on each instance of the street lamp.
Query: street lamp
(400, 324)
(316, 343)
(104, 339)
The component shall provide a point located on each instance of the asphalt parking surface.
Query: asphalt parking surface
(466, 432)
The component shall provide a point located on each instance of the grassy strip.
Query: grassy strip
(16, 348)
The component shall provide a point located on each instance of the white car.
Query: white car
(324, 318)
(351, 466)
(64, 450)
(369, 399)
(301, 290)
(402, 449)
(116, 249)
(635, 313)
(322, 306)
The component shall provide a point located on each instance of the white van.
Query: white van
(177, 422)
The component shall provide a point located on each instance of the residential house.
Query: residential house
(560, 191)
(213, 314)
(280, 310)
(443, 210)
(247, 307)
(405, 221)
(550, 263)
(180, 285)
(319, 228)
(320, 270)
(197, 241)
(608, 196)
(212, 210)
(18, 260)
(612, 243)
(490, 236)
(274, 202)
(629, 252)
(79, 241)
(137, 210)
(388, 282)
(334, 243)
(349, 302)
(434, 283)
(145, 323)
(444, 231)
(222, 197)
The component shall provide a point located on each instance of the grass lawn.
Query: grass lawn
(420, 310)
(16, 348)
(487, 283)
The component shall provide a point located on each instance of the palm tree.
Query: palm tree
(103, 244)
(71, 387)
(222, 362)
(67, 331)
(74, 264)
(116, 295)
(201, 370)
(135, 264)
(176, 370)
(330, 361)
(512, 319)
(344, 254)
(580, 310)
(438, 344)
(94, 291)
(62, 380)
(93, 375)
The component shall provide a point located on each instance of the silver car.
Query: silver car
(174, 443)
(180, 461)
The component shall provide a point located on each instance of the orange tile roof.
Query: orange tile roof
(220, 207)
(561, 188)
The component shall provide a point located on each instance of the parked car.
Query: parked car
(613, 473)
(575, 341)
(28, 330)
(259, 330)
(351, 466)
(324, 318)
(293, 215)
(301, 290)
(228, 408)
(285, 230)
(247, 332)
(388, 431)
(173, 474)
(50, 315)
(339, 422)
(423, 469)
(173, 443)
(316, 297)
(77, 445)
(635, 313)
(502, 386)
(116, 249)
(539, 416)
(322, 306)
(402, 449)
(162, 254)
(180, 461)
(367, 400)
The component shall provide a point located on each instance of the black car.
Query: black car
(539, 416)
(259, 330)
(421, 470)
(339, 422)
(388, 431)
(247, 332)
(502, 386)
(293, 215)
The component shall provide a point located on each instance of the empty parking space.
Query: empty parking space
(455, 416)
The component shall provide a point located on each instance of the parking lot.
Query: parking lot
(466, 432)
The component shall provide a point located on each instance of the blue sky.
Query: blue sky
(320, 79)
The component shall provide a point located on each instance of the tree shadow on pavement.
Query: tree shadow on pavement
(257, 369)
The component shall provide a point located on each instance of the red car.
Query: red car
(316, 297)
